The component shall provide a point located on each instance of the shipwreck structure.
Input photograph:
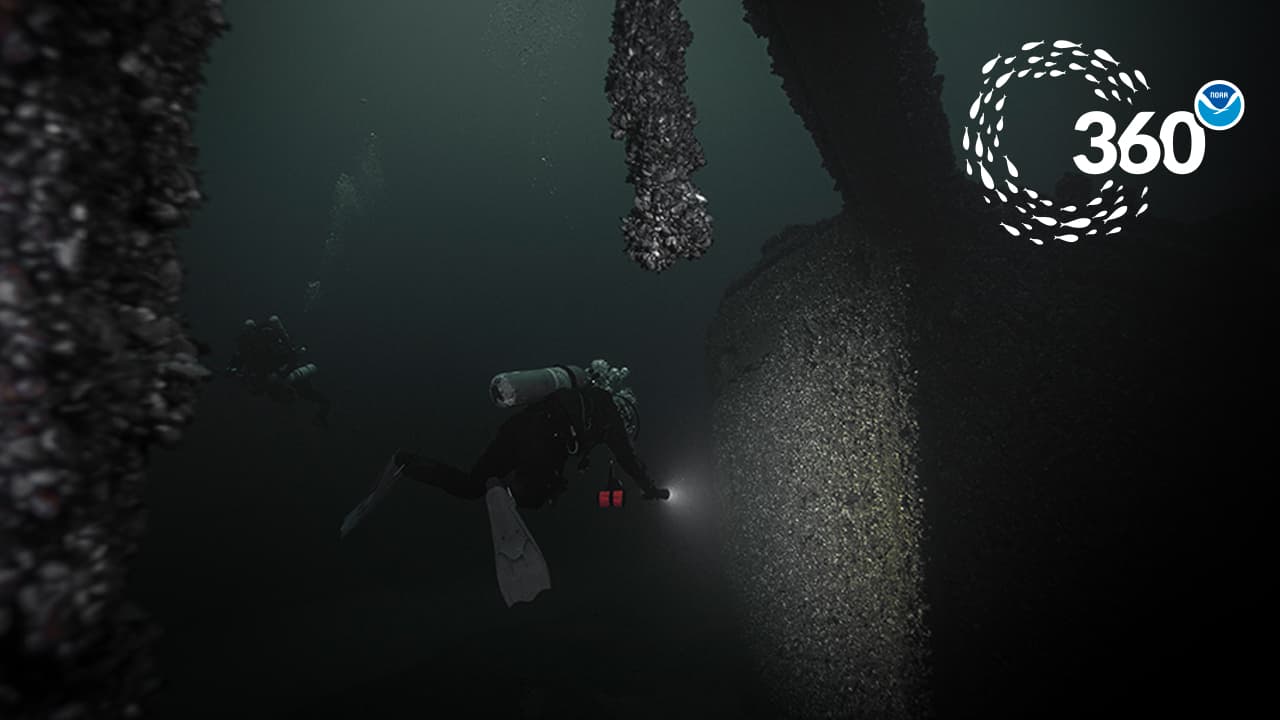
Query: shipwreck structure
(97, 173)
(961, 473)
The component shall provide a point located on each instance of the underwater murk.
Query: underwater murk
(633, 359)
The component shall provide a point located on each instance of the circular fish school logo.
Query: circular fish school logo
(1219, 105)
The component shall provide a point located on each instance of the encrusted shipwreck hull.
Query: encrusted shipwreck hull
(815, 424)
(965, 476)
(815, 434)
(96, 175)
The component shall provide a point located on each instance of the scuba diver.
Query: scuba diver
(535, 443)
(565, 413)
(270, 364)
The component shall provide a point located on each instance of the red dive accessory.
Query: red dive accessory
(612, 494)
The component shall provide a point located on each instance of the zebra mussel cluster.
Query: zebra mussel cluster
(97, 173)
(645, 84)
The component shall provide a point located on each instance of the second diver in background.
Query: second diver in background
(268, 363)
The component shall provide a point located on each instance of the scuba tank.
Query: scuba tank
(521, 387)
(300, 373)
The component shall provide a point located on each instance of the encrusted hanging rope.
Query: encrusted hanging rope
(653, 114)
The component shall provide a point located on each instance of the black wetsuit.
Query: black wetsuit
(534, 444)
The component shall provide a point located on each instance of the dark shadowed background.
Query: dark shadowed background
(496, 246)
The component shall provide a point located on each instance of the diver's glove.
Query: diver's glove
(656, 493)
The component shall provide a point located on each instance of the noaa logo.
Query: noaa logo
(1219, 105)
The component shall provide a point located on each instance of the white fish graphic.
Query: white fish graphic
(1078, 223)
(1141, 78)
(1012, 188)
(1069, 237)
(1044, 220)
(1090, 76)
(1107, 185)
(1023, 73)
(1114, 230)
(990, 64)
(1057, 73)
(1066, 44)
(1038, 75)
(1099, 93)
(1117, 213)
(1106, 56)
(1141, 210)
(1011, 230)
(1030, 193)
(1032, 45)
(1003, 198)
(973, 109)
(1013, 170)
(1124, 77)
(1000, 81)
(965, 142)
(1000, 103)
(1077, 67)
(1095, 201)
(986, 178)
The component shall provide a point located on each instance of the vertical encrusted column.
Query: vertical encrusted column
(654, 115)
(96, 176)
(815, 435)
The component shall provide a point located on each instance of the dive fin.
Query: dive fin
(522, 571)
(390, 474)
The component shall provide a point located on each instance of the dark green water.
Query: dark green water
(494, 246)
